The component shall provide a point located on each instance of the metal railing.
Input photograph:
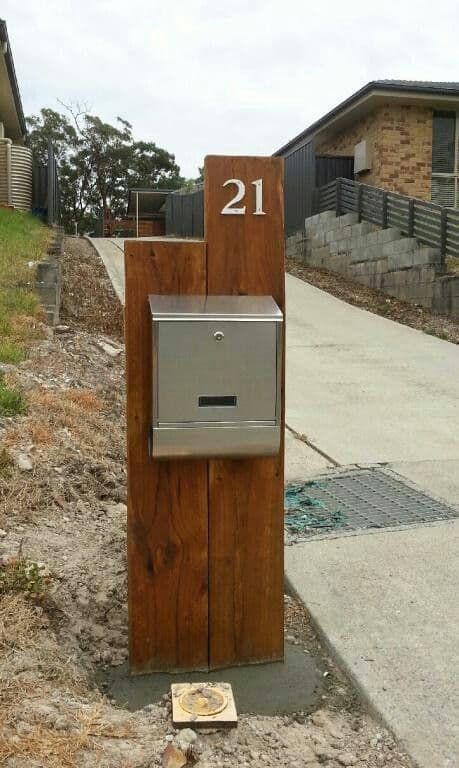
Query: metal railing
(429, 223)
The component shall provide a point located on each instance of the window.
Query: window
(445, 159)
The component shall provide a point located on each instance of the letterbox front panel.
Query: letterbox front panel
(216, 371)
(216, 376)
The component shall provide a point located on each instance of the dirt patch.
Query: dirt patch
(87, 295)
(376, 301)
(63, 508)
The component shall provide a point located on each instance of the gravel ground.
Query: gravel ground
(376, 301)
(63, 506)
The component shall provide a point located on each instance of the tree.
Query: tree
(98, 162)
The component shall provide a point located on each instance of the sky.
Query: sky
(234, 77)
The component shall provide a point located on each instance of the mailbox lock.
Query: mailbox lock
(219, 335)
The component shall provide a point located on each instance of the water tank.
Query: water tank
(21, 177)
(5, 171)
(15, 175)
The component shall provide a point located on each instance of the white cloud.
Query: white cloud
(236, 78)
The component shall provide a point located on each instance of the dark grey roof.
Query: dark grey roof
(12, 76)
(413, 86)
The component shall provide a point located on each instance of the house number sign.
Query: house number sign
(231, 209)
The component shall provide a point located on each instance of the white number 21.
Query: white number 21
(230, 209)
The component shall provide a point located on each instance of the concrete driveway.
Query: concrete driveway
(362, 390)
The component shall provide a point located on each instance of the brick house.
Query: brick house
(400, 135)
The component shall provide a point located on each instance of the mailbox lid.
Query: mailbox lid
(263, 308)
(206, 380)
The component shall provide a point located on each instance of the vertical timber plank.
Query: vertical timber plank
(245, 255)
(167, 500)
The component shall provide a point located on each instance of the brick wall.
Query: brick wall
(400, 137)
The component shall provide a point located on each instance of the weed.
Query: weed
(10, 352)
(6, 463)
(23, 576)
(12, 401)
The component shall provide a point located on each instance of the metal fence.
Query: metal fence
(45, 189)
(185, 213)
(429, 223)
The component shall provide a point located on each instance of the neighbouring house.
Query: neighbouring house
(400, 135)
(15, 158)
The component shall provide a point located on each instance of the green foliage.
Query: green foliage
(23, 576)
(12, 400)
(23, 238)
(99, 162)
(10, 352)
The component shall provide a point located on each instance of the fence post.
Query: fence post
(338, 197)
(384, 211)
(443, 234)
(359, 201)
(51, 184)
(410, 218)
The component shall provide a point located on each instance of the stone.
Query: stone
(346, 758)
(185, 739)
(109, 349)
(24, 462)
(2, 533)
(61, 329)
(173, 757)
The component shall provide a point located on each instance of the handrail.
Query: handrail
(431, 224)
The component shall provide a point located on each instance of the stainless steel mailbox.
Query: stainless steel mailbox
(217, 364)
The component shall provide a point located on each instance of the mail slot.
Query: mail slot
(217, 363)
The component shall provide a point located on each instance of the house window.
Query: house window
(445, 159)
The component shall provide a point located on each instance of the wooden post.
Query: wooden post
(205, 537)
(245, 255)
(167, 501)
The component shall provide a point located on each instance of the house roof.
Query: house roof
(373, 92)
(11, 112)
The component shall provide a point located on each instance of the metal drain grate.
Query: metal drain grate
(357, 500)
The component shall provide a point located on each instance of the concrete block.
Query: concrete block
(388, 235)
(348, 218)
(405, 245)
(398, 261)
(429, 256)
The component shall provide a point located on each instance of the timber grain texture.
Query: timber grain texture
(245, 256)
(167, 500)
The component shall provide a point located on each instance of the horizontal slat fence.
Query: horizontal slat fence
(429, 223)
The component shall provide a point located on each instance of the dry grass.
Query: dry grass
(61, 749)
(39, 432)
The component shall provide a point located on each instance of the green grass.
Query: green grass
(23, 239)
(11, 353)
(23, 576)
(12, 402)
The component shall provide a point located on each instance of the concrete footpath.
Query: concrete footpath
(363, 390)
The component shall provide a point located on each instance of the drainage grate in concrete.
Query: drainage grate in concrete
(357, 500)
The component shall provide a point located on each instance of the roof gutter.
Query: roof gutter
(6, 50)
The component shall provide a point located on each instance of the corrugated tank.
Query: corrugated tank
(21, 177)
(15, 175)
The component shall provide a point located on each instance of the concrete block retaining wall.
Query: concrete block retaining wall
(48, 281)
(379, 258)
